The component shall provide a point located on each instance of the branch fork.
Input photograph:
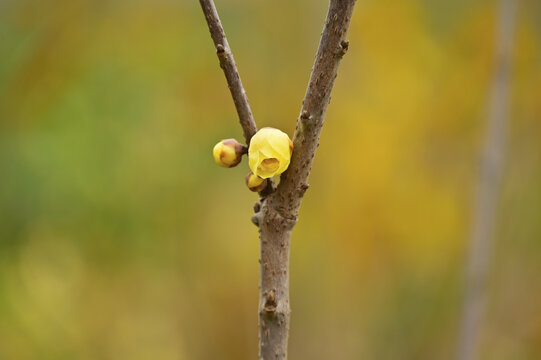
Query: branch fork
(277, 209)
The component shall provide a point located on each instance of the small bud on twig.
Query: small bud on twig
(344, 46)
(228, 153)
(305, 115)
(255, 183)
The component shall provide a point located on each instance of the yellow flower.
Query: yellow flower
(228, 153)
(255, 183)
(269, 152)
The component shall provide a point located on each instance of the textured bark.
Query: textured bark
(332, 47)
(280, 209)
(227, 63)
(277, 209)
(488, 187)
(274, 310)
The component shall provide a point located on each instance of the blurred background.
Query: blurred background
(121, 239)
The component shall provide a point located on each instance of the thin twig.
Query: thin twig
(227, 63)
(488, 187)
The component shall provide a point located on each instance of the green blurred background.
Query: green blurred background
(121, 239)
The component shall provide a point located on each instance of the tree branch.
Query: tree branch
(227, 63)
(277, 209)
(333, 46)
(277, 213)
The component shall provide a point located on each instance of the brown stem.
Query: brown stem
(278, 211)
(227, 63)
(275, 235)
(332, 47)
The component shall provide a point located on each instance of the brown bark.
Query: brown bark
(277, 210)
(280, 209)
(227, 63)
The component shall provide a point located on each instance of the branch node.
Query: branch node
(344, 46)
(220, 49)
(270, 302)
(257, 207)
(305, 116)
(303, 188)
(267, 190)
(256, 219)
(278, 218)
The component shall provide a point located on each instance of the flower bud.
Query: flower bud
(255, 183)
(269, 153)
(228, 153)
